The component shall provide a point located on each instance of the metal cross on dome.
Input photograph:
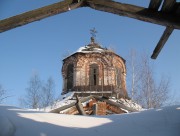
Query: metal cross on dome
(93, 32)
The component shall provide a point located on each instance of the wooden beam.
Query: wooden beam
(155, 4)
(79, 106)
(178, 9)
(115, 109)
(57, 110)
(136, 12)
(168, 5)
(37, 14)
(72, 110)
(110, 6)
(162, 41)
(115, 104)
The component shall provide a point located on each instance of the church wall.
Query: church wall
(106, 67)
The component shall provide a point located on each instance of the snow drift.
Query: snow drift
(155, 122)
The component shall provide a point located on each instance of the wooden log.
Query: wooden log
(57, 110)
(132, 11)
(115, 109)
(155, 4)
(178, 8)
(99, 108)
(37, 14)
(162, 42)
(95, 109)
(168, 5)
(79, 106)
(115, 104)
(136, 12)
(71, 110)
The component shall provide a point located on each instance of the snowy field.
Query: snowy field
(21, 122)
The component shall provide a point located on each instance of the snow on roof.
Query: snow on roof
(128, 103)
(81, 49)
(62, 101)
(88, 49)
(154, 122)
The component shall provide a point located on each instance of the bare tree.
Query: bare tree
(161, 92)
(38, 95)
(147, 88)
(2, 94)
(47, 97)
(23, 102)
(147, 91)
(33, 96)
(133, 69)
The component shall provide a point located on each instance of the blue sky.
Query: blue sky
(40, 46)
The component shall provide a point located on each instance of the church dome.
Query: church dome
(94, 70)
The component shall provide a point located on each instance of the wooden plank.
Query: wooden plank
(115, 104)
(71, 110)
(162, 41)
(37, 14)
(115, 109)
(155, 4)
(79, 106)
(99, 108)
(136, 12)
(57, 110)
(168, 5)
(177, 9)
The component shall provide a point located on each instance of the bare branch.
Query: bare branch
(146, 90)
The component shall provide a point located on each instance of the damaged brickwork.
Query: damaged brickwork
(94, 69)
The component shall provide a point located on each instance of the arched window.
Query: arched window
(70, 72)
(118, 77)
(94, 75)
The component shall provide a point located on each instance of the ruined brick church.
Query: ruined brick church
(94, 70)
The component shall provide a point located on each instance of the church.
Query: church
(94, 70)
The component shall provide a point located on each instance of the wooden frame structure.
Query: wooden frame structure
(77, 107)
(161, 12)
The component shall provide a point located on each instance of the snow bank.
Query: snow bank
(6, 127)
(157, 122)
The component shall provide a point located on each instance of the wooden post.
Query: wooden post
(79, 106)
(162, 42)
(95, 106)
(99, 108)
(155, 4)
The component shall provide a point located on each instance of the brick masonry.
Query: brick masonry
(110, 73)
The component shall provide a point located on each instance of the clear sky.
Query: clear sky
(40, 46)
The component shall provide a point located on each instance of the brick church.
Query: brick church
(94, 70)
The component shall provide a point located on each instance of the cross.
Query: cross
(93, 32)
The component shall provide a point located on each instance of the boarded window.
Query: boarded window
(70, 72)
(94, 75)
(118, 77)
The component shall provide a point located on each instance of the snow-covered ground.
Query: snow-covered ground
(155, 122)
